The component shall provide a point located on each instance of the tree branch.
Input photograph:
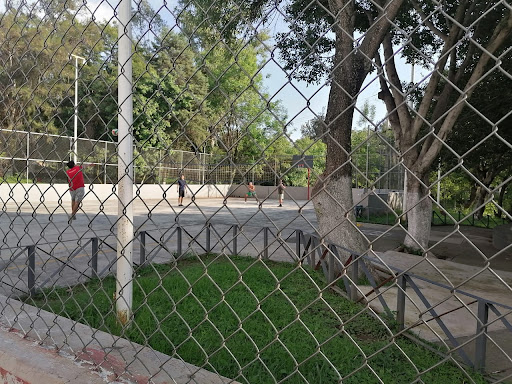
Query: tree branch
(396, 88)
(429, 24)
(436, 75)
(379, 29)
(501, 32)
(386, 96)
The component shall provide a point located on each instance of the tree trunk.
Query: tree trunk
(479, 202)
(472, 196)
(335, 213)
(501, 198)
(332, 193)
(419, 214)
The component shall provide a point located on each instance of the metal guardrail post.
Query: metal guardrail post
(179, 240)
(298, 234)
(31, 261)
(265, 242)
(235, 239)
(354, 277)
(208, 238)
(94, 258)
(142, 248)
(400, 301)
(331, 266)
(481, 331)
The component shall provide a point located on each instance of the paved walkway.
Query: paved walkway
(472, 264)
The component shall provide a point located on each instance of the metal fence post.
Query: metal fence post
(179, 250)
(400, 301)
(331, 266)
(208, 235)
(28, 154)
(94, 258)
(124, 281)
(235, 239)
(265, 242)
(142, 248)
(105, 164)
(481, 332)
(298, 234)
(354, 277)
(31, 261)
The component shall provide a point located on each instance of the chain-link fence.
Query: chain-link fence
(206, 279)
(39, 157)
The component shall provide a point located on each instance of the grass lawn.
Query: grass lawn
(256, 322)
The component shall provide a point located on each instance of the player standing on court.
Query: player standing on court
(76, 187)
(280, 192)
(182, 184)
(251, 192)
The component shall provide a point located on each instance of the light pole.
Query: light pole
(75, 130)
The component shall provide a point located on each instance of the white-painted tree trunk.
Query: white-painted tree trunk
(336, 220)
(419, 216)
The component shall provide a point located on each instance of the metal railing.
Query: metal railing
(310, 250)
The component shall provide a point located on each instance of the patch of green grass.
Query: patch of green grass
(256, 322)
(14, 179)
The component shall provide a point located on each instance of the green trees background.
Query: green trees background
(199, 86)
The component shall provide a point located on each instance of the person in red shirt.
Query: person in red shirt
(76, 187)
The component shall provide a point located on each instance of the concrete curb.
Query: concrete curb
(89, 351)
(24, 361)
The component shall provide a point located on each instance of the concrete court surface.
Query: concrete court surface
(38, 223)
(29, 224)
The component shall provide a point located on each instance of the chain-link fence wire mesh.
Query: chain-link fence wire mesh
(37, 157)
(225, 280)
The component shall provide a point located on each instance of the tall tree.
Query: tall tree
(462, 43)
(170, 92)
(244, 119)
(348, 68)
